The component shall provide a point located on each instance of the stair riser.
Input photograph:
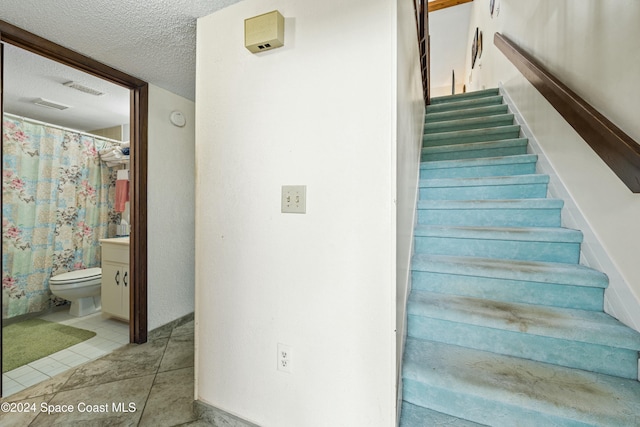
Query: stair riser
(464, 96)
(565, 252)
(466, 104)
(475, 123)
(430, 155)
(617, 362)
(438, 139)
(470, 113)
(491, 192)
(479, 171)
(491, 217)
(477, 408)
(508, 290)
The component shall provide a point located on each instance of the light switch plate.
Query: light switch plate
(294, 199)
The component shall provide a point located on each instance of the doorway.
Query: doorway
(15, 36)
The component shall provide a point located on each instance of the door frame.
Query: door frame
(139, 111)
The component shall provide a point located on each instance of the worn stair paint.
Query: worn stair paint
(504, 326)
(498, 390)
(548, 334)
(531, 282)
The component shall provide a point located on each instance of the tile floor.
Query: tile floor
(137, 385)
(110, 335)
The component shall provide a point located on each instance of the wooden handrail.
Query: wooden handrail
(617, 149)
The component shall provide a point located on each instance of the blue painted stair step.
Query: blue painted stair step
(464, 104)
(417, 416)
(504, 327)
(547, 334)
(488, 110)
(469, 123)
(465, 96)
(502, 187)
(524, 164)
(521, 243)
(543, 283)
(471, 135)
(496, 213)
(506, 147)
(498, 390)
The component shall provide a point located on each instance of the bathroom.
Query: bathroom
(64, 207)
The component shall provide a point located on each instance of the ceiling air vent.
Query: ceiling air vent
(50, 104)
(83, 88)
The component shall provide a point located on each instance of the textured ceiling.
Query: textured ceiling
(153, 40)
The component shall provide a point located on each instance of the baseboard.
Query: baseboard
(165, 330)
(217, 417)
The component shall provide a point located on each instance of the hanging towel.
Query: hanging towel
(122, 194)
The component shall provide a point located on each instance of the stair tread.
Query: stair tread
(534, 271)
(417, 416)
(482, 161)
(487, 110)
(485, 181)
(508, 382)
(470, 132)
(499, 143)
(432, 127)
(456, 104)
(491, 204)
(563, 323)
(546, 234)
(466, 95)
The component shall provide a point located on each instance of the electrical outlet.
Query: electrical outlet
(284, 358)
(294, 199)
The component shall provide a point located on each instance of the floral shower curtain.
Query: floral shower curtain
(57, 204)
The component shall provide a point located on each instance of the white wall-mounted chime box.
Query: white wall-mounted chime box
(264, 32)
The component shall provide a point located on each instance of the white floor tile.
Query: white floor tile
(19, 372)
(10, 387)
(110, 335)
(32, 378)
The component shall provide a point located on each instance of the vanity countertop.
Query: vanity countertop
(116, 240)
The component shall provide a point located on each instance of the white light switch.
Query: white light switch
(294, 199)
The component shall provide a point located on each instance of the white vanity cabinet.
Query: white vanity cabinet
(116, 281)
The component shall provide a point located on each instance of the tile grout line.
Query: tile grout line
(155, 376)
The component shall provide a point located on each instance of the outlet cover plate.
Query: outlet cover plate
(284, 358)
(294, 199)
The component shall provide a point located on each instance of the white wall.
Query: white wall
(170, 199)
(448, 29)
(410, 126)
(593, 47)
(317, 112)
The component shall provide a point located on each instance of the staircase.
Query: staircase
(504, 327)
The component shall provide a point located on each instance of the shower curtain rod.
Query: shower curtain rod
(38, 122)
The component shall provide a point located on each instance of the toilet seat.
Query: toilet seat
(76, 277)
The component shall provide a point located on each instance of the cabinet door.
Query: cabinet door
(112, 288)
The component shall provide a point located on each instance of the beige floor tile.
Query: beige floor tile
(170, 402)
(128, 362)
(118, 403)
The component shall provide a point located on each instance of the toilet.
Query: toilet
(81, 287)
